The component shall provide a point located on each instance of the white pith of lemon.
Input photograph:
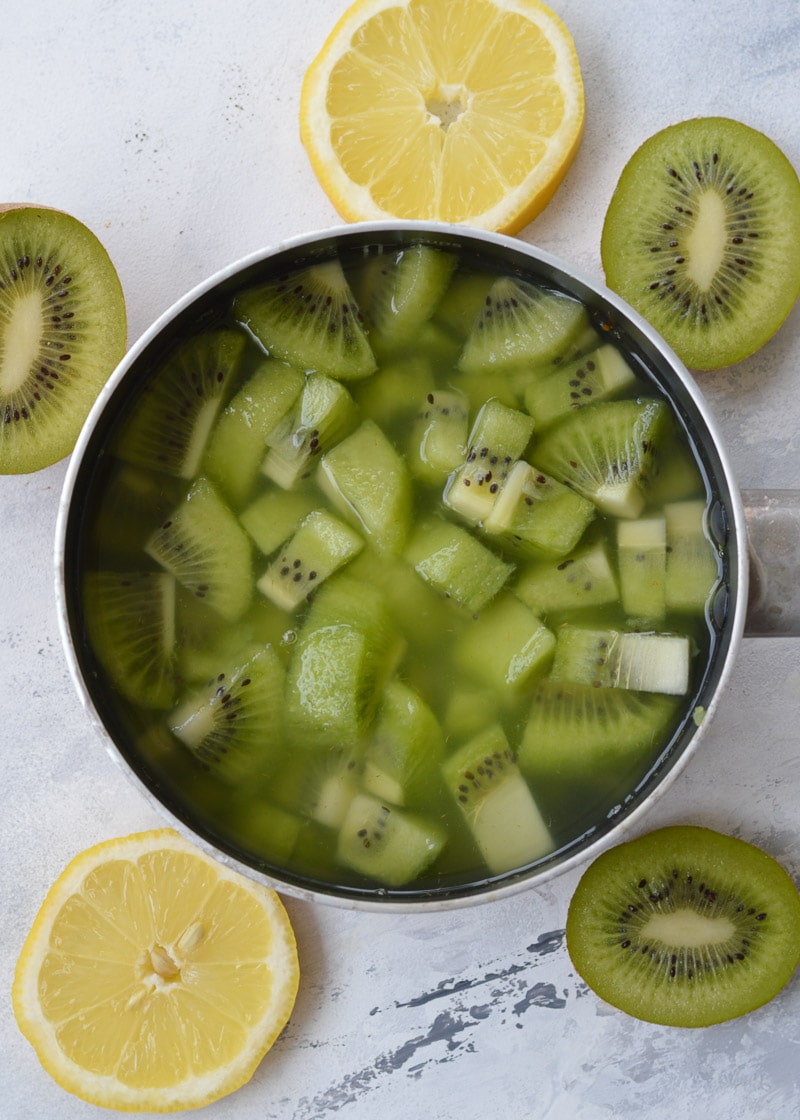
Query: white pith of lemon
(153, 978)
(467, 112)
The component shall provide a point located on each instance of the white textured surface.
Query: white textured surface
(170, 128)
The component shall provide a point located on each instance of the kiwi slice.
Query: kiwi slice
(171, 424)
(130, 617)
(233, 725)
(701, 237)
(608, 452)
(311, 319)
(207, 550)
(407, 286)
(685, 927)
(62, 330)
(520, 324)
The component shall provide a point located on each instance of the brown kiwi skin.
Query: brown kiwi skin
(52, 450)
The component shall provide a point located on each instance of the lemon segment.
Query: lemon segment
(427, 109)
(153, 978)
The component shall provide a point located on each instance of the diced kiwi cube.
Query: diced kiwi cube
(498, 438)
(368, 481)
(593, 377)
(536, 514)
(642, 661)
(506, 823)
(336, 676)
(507, 646)
(321, 545)
(402, 761)
(239, 440)
(585, 578)
(407, 287)
(393, 397)
(322, 415)
(641, 562)
(692, 568)
(387, 844)
(438, 436)
(319, 785)
(272, 517)
(456, 564)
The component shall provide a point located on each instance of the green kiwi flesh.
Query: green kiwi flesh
(312, 321)
(702, 236)
(685, 927)
(63, 329)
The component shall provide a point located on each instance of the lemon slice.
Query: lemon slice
(468, 112)
(154, 978)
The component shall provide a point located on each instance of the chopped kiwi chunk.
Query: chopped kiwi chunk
(592, 740)
(607, 452)
(393, 397)
(692, 562)
(507, 646)
(685, 927)
(701, 237)
(520, 324)
(407, 286)
(62, 332)
(272, 517)
(438, 438)
(498, 438)
(203, 545)
(456, 564)
(497, 804)
(387, 844)
(402, 761)
(338, 668)
(130, 618)
(233, 726)
(321, 416)
(321, 545)
(319, 785)
(239, 440)
(270, 833)
(642, 564)
(534, 514)
(644, 662)
(310, 319)
(585, 380)
(367, 480)
(583, 579)
(170, 428)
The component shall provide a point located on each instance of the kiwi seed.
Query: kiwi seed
(62, 331)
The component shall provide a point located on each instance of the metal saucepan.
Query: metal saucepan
(774, 606)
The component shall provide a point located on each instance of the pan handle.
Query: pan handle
(772, 518)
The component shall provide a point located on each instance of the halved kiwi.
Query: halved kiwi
(62, 331)
(685, 927)
(702, 236)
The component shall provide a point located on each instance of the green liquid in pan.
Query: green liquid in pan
(461, 729)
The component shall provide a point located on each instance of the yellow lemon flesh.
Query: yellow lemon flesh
(467, 112)
(153, 978)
